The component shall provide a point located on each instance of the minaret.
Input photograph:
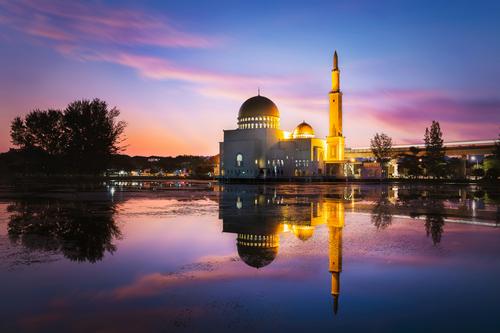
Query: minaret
(335, 225)
(335, 100)
(335, 139)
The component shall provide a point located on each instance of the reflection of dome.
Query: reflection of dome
(303, 232)
(257, 250)
(303, 130)
(258, 112)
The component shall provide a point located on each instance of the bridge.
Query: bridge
(462, 149)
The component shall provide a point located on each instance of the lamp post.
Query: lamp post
(473, 158)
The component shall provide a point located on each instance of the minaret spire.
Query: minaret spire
(335, 61)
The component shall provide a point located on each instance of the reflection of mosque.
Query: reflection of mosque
(258, 219)
(258, 215)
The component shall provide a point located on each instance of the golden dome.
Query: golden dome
(258, 106)
(257, 250)
(303, 130)
(303, 232)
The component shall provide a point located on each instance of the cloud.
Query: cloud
(93, 23)
(224, 268)
(94, 32)
(158, 68)
(404, 114)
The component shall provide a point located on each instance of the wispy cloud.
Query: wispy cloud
(94, 32)
(404, 114)
(91, 22)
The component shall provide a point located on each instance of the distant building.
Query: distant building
(259, 148)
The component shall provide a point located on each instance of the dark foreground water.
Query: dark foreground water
(309, 258)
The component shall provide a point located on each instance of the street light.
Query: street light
(473, 158)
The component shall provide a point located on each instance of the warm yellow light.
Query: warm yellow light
(303, 232)
(287, 135)
(303, 131)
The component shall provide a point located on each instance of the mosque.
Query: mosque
(259, 148)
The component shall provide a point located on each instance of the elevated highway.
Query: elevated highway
(461, 149)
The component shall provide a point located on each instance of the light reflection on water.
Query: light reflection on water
(251, 257)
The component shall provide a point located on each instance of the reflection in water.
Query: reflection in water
(335, 224)
(259, 218)
(434, 220)
(382, 211)
(432, 206)
(79, 230)
(173, 265)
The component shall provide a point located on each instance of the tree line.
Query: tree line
(431, 161)
(77, 140)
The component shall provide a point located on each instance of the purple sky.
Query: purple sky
(180, 70)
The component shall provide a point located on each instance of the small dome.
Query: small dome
(303, 130)
(303, 232)
(258, 106)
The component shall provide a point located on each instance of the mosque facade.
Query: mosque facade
(260, 149)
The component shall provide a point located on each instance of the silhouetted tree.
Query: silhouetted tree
(478, 172)
(41, 137)
(94, 134)
(434, 152)
(491, 164)
(492, 167)
(44, 130)
(81, 231)
(454, 168)
(381, 145)
(82, 138)
(411, 162)
(496, 150)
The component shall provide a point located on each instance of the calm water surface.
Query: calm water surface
(149, 257)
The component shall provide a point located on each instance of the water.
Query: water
(188, 257)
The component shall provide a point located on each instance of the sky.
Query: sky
(179, 70)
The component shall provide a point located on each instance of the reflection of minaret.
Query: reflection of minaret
(335, 225)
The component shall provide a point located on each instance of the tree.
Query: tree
(41, 138)
(478, 172)
(411, 162)
(455, 168)
(496, 150)
(80, 139)
(381, 145)
(491, 164)
(94, 134)
(40, 129)
(18, 133)
(434, 152)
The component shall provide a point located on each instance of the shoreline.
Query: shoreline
(80, 179)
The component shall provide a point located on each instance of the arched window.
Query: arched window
(239, 159)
